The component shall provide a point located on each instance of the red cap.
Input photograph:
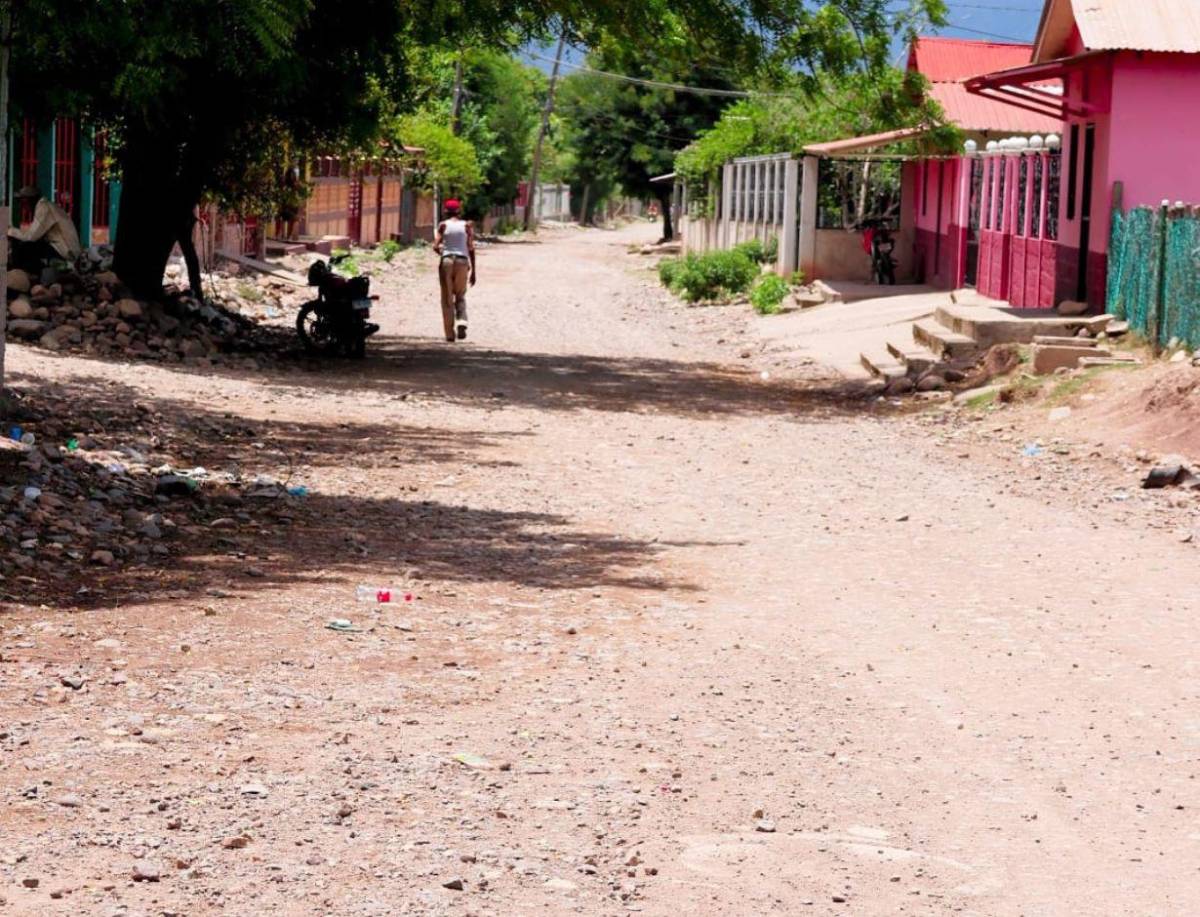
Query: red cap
(452, 204)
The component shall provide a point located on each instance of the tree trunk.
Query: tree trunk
(664, 201)
(583, 205)
(157, 200)
(5, 204)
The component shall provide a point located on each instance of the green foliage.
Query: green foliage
(759, 253)
(499, 112)
(713, 275)
(768, 294)
(874, 99)
(344, 264)
(388, 249)
(449, 162)
(669, 270)
(196, 90)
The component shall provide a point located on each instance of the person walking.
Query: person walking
(455, 245)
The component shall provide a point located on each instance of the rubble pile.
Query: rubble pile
(87, 310)
(98, 491)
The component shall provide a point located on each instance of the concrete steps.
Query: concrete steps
(883, 366)
(916, 358)
(278, 248)
(944, 342)
(988, 325)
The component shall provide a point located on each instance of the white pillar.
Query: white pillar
(807, 257)
(755, 196)
(789, 236)
(727, 198)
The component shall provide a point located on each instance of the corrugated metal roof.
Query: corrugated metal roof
(943, 60)
(1118, 25)
(977, 113)
(1139, 25)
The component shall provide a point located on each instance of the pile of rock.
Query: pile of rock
(93, 313)
(75, 501)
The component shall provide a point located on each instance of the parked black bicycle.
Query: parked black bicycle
(879, 243)
(336, 322)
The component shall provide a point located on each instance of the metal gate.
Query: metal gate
(1017, 202)
(66, 166)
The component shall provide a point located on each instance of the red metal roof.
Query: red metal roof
(948, 62)
(951, 60)
(977, 113)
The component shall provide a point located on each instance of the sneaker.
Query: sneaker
(462, 331)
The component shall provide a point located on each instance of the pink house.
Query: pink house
(948, 228)
(1123, 77)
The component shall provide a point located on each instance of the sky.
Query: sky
(998, 20)
(1002, 20)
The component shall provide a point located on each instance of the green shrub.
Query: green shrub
(669, 270)
(757, 252)
(713, 275)
(388, 249)
(752, 249)
(768, 294)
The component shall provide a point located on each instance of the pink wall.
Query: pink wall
(1155, 100)
(1091, 85)
(935, 186)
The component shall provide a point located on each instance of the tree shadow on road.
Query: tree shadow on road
(577, 382)
(225, 536)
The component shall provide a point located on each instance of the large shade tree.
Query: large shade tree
(194, 89)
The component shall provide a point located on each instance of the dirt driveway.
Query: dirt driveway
(683, 639)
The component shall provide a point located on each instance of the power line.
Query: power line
(963, 28)
(954, 4)
(657, 84)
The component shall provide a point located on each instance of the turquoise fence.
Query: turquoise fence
(1154, 272)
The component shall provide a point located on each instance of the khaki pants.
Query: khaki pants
(454, 274)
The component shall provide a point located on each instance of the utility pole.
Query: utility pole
(532, 198)
(456, 117)
(5, 204)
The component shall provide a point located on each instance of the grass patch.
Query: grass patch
(249, 292)
(1069, 388)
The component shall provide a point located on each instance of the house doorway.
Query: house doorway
(971, 276)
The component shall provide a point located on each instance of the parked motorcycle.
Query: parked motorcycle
(336, 322)
(879, 243)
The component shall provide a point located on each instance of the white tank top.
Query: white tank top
(454, 238)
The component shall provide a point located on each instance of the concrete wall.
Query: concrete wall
(699, 234)
(840, 256)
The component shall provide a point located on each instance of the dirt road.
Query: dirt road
(685, 639)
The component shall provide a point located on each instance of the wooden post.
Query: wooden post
(1158, 313)
(541, 137)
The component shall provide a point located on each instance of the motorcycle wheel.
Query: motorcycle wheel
(313, 329)
(356, 347)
